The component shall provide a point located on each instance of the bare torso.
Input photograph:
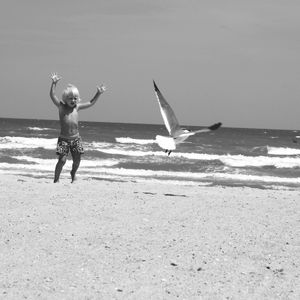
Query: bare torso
(68, 118)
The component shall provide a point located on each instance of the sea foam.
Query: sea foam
(128, 140)
(283, 151)
(40, 128)
(10, 142)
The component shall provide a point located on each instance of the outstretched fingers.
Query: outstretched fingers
(55, 78)
(101, 88)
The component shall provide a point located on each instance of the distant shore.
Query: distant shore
(128, 240)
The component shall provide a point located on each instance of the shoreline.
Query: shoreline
(190, 182)
(145, 240)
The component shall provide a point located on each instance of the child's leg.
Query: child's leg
(61, 162)
(76, 162)
(76, 151)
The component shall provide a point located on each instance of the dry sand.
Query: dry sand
(128, 240)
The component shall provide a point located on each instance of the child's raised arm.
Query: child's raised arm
(100, 90)
(55, 78)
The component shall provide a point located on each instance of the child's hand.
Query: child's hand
(101, 89)
(55, 78)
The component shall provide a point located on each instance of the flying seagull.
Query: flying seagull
(177, 133)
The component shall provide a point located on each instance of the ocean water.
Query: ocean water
(260, 158)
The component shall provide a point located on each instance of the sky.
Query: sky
(234, 61)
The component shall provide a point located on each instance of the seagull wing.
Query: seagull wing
(167, 112)
(210, 128)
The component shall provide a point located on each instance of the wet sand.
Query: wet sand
(146, 240)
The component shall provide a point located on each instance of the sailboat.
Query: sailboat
(177, 134)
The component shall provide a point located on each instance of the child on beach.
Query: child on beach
(69, 138)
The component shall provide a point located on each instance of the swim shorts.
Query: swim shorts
(64, 146)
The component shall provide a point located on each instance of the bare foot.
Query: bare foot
(73, 177)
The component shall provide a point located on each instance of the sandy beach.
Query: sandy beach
(99, 239)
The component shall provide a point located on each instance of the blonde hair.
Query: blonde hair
(70, 90)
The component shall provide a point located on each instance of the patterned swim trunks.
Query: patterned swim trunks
(64, 146)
